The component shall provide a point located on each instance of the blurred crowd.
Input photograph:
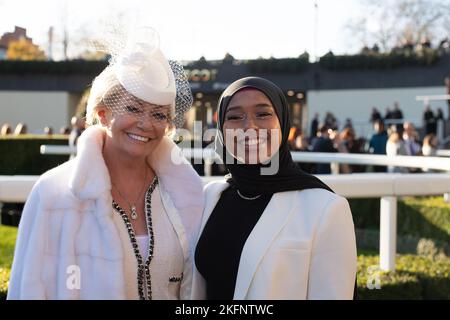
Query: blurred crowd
(77, 126)
(392, 135)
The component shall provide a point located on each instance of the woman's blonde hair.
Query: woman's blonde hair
(101, 85)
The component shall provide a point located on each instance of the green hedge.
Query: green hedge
(52, 67)
(287, 65)
(427, 217)
(423, 225)
(20, 155)
(415, 277)
(379, 60)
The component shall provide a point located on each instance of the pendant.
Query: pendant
(134, 215)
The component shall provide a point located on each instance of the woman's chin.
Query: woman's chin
(252, 158)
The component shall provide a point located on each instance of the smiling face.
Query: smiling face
(136, 128)
(251, 129)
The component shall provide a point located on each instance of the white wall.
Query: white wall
(37, 109)
(357, 104)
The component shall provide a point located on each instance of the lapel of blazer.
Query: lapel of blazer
(272, 220)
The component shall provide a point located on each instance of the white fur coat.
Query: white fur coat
(68, 227)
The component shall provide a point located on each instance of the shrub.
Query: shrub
(21, 154)
(379, 60)
(286, 65)
(416, 277)
(425, 217)
(52, 67)
(4, 279)
(8, 237)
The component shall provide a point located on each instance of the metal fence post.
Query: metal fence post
(388, 233)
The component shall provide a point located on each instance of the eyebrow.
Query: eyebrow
(259, 105)
(144, 104)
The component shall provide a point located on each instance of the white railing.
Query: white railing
(361, 185)
(438, 97)
(207, 154)
(443, 153)
(58, 150)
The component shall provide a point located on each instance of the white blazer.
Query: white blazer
(303, 247)
(68, 221)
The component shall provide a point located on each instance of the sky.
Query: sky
(195, 28)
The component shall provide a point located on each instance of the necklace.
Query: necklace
(134, 214)
(247, 198)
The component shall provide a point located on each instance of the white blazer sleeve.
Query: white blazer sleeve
(333, 265)
(25, 280)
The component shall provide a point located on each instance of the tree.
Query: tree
(392, 23)
(24, 49)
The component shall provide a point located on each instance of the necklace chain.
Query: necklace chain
(134, 214)
(247, 198)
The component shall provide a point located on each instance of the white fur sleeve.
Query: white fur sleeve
(25, 281)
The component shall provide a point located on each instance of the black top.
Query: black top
(220, 246)
(322, 144)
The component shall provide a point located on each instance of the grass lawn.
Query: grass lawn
(7, 241)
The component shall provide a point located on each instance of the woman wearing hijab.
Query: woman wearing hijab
(116, 222)
(269, 234)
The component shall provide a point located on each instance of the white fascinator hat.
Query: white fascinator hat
(144, 71)
(138, 66)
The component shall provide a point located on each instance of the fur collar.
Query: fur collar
(90, 178)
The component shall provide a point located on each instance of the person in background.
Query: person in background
(302, 145)
(430, 145)
(388, 114)
(348, 124)
(375, 116)
(48, 131)
(323, 143)
(439, 114)
(330, 121)
(429, 148)
(352, 145)
(21, 128)
(377, 144)
(429, 121)
(314, 127)
(64, 130)
(293, 133)
(397, 115)
(447, 89)
(410, 138)
(6, 129)
(78, 126)
(395, 146)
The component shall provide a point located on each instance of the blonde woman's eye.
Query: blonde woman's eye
(160, 116)
(133, 109)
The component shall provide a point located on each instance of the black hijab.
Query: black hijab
(248, 177)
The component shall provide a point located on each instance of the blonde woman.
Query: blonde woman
(119, 220)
